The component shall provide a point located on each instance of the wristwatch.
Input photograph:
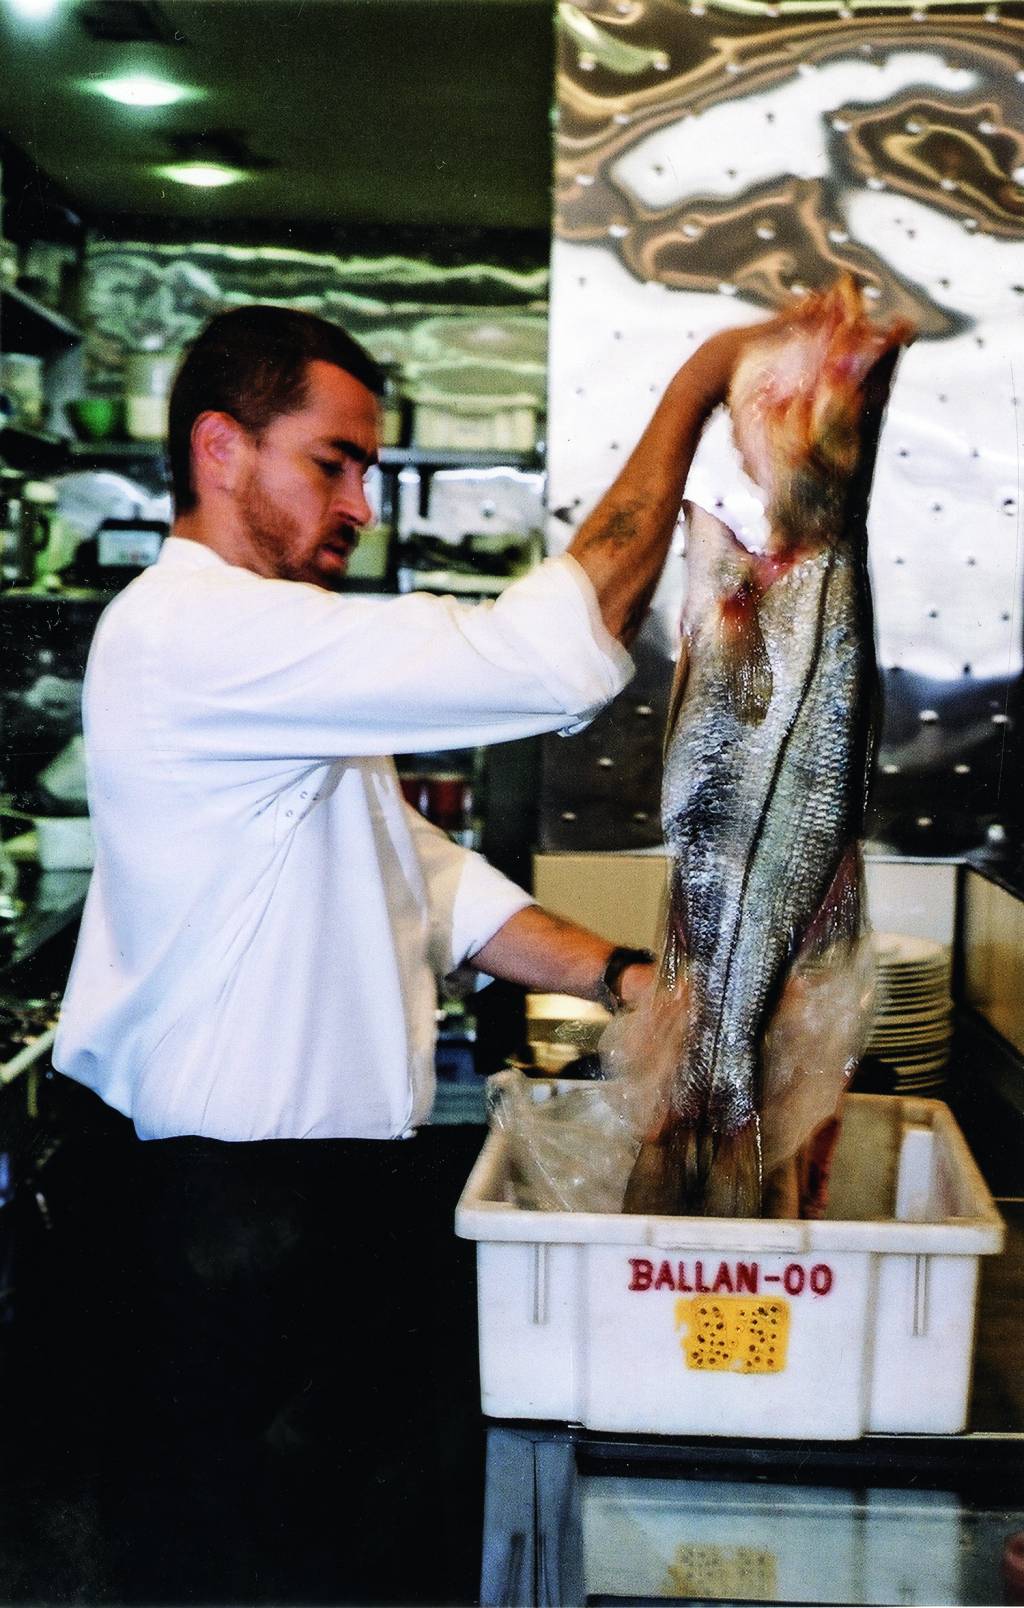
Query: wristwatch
(608, 988)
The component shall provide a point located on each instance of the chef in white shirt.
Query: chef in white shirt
(267, 918)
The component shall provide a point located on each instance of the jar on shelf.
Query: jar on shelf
(21, 381)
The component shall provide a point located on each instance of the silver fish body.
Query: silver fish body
(760, 811)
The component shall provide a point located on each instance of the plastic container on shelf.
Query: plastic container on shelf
(21, 381)
(148, 378)
(862, 1322)
(446, 422)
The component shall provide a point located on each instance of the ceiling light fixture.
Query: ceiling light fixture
(34, 10)
(204, 175)
(140, 89)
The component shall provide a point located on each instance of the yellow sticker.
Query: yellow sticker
(734, 1333)
(733, 1574)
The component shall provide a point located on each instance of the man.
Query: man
(254, 984)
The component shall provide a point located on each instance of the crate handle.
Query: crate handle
(539, 1312)
(919, 1321)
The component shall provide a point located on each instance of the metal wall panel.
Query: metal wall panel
(715, 160)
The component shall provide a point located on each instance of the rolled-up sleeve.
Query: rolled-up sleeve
(469, 900)
(271, 668)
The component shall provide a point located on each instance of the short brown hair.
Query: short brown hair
(252, 363)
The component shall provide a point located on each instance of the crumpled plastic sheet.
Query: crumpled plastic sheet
(571, 1148)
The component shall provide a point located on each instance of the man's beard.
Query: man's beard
(275, 535)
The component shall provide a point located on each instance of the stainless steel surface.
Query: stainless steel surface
(713, 161)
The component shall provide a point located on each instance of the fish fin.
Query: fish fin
(839, 918)
(655, 1184)
(747, 668)
(678, 692)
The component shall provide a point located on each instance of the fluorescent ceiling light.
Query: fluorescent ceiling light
(140, 89)
(205, 175)
(34, 10)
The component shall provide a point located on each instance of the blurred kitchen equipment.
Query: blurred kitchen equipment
(38, 508)
(44, 264)
(97, 418)
(474, 423)
(394, 410)
(27, 509)
(148, 377)
(444, 797)
(21, 380)
(8, 263)
(12, 484)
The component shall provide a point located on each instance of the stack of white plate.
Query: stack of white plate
(912, 1025)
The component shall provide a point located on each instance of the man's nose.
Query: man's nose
(352, 504)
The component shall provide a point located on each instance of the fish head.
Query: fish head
(798, 401)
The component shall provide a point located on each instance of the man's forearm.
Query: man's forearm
(547, 954)
(623, 543)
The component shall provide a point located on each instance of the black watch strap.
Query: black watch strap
(618, 960)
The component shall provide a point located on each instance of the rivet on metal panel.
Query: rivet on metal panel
(962, 770)
(891, 770)
(924, 820)
(606, 762)
(540, 1284)
(568, 815)
(919, 1325)
(928, 717)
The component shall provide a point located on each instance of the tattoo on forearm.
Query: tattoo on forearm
(618, 531)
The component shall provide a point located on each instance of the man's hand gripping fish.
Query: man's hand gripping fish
(750, 1033)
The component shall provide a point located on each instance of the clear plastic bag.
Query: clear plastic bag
(571, 1146)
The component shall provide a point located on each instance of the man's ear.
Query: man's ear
(220, 451)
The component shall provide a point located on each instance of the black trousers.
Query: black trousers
(291, 1369)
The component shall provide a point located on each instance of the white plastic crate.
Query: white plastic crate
(737, 1326)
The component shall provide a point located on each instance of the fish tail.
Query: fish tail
(733, 1180)
(694, 1170)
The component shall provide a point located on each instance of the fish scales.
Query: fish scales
(768, 755)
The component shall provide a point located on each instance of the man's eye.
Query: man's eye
(330, 468)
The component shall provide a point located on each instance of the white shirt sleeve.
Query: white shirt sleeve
(469, 899)
(267, 668)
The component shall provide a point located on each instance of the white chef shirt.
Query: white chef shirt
(267, 916)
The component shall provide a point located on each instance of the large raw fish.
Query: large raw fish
(747, 1039)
